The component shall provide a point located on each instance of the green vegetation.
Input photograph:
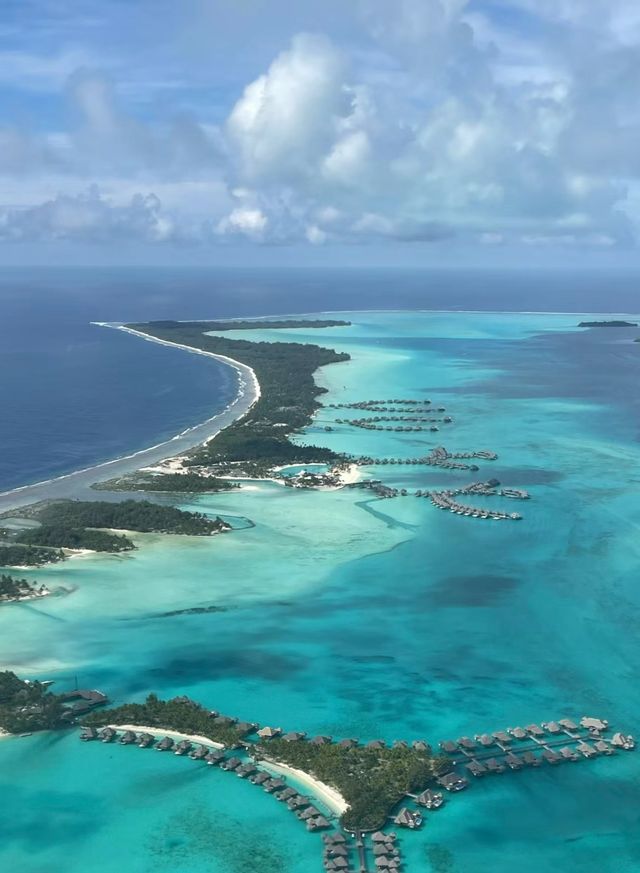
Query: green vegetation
(136, 515)
(27, 556)
(179, 714)
(28, 706)
(63, 536)
(18, 589)
(372, 781)
(252, 324)
(613, 323)
(287, 402)
(186, 483)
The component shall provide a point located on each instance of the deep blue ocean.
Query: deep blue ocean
(73, 394)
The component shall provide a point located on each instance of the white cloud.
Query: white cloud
(246, 221)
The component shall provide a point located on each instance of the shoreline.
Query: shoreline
(331, 797)
(160, 732)
(249, 393)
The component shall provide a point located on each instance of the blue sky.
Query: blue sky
(367, 131)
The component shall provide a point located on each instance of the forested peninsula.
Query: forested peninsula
(260, 440)
(81, 524)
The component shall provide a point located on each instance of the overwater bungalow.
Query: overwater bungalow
(603, 748)
(309, 812)
(620, 741)
(245, 770)
(551, 757)
(567, 724)
(518, 732)
(502, 737)
(408, 818)
(376, 745)
(567, 754)
(349, 743)
(452, 782)
(449, 746)
(494, 766)
(531, 759)
(552, 727)
(513, 761)
(269, 733)
(145, 741)
(340, 864)
(128, 738)
(318, 823)
(183, 747)
(430, 799)
(586, 750)
(287, 794)
(320, 740)
(485, 739)
(594, 724)
(466, 743)
(107, 735)
(400, 744)
(165, 744)
(476, 768)
(387, 849)
(380, 837)
(200, 753)
(336, 850)
(88, 733)
(534, 730)
(297, 802)
(231, 764)
(294, 736)
(421, 746)
(273, 785)
(214, 756)
(246, 727)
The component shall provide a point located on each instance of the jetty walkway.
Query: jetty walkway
(446, 500)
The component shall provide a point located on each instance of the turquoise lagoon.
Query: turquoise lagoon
(341, 614)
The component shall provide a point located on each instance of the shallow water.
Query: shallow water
(345, 615)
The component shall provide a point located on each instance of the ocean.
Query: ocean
(345, 615)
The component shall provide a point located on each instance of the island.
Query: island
(186, 482)
(258, 442)
(256, 324)
(14, 590)
(27, 706)
(95, 526)
(613, 323)
(372, 779)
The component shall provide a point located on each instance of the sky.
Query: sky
(322, 132)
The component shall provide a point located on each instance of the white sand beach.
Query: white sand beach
(160, 732)
(331, 797)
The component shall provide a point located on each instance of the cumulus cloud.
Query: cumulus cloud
(445, 119)
(89, 218)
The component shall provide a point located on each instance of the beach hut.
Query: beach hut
(421, 746)
(294, 736)
(376, 745)
(320, 740)
(348, 743)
